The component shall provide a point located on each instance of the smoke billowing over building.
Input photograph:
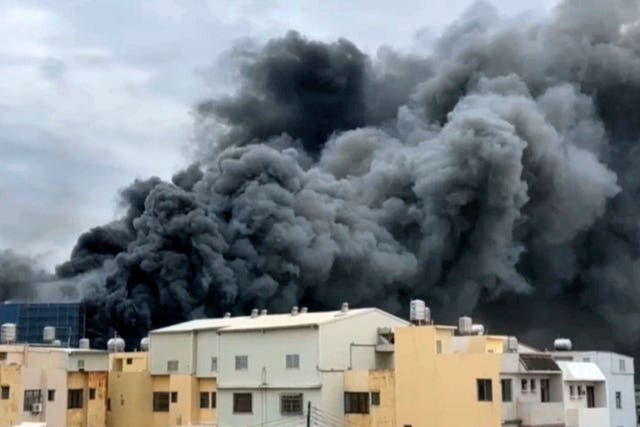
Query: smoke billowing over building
(497, 176)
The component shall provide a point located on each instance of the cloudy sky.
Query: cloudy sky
(96, 93)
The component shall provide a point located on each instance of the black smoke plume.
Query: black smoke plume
(496, 177)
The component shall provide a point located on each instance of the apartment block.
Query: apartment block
(56, 386)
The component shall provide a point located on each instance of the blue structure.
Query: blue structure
(31, 318)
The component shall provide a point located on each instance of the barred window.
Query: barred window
(214, 364)
(356, 403)
(172, 365)
(31, 397)
(242, 363)
(293, 361)
(242, 403)
(204, 400)
(161, 401)
(485, 394)
(375, 398)
(75, 398)
(291, 404)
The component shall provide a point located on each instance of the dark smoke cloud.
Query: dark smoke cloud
(18, 276)
(496, 177)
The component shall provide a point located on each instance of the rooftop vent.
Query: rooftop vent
(294, 310)
(263, 312)
(227, 315)
(345, 307)
(304, 310)
(254, 313)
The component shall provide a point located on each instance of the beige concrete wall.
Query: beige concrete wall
(160, 383)
(77, 417)
(55, 410)
(208, 415)
(129, 362)
(383, 382)
(97, 408)
(130, 395)
(11, 409)
(440, 390)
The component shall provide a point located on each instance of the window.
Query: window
(204, 400)
(31, 397)
(242, 403)
(356, 403)
(214, 400)
(172, 365)
(523, 385)
(618, 400)
(545, 393)
(160, 401)
(51, 395)
(80, 364)
(291, 404)
(242, 363)
(108, 404)
(533, 386)
(438, 346)
(3, 355)
(506, 390)
(484, 390)
(586, 359)
(214, 364)
(129, 361)
(92, 394)
(4, 392)
(571, 391)
(375, 398)
(293, 361)
(622, 365)
(174, 397)
(75, 398)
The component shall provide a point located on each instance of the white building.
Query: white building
(269, 367)
(619, 373)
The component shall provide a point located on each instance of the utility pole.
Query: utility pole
(309, 414)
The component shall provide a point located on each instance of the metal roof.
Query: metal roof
(581, 371)
(270, 321)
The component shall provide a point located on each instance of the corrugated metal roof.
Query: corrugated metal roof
(581, 371)
(538, 362)
(270, 321)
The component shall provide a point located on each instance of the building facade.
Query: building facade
(57, 386)
(31, 318)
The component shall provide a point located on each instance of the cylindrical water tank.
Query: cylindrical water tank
(115, 344)
(512, 345)
(562, 344)
(465, 325)
(144, 344)
(8, 332)
(418, 311)
(48, 334)
(84, 343)
(477, 329)
(56, 343)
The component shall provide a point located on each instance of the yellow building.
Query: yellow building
(138, 398)
(442, 380)
(58, 386)
(370, 398)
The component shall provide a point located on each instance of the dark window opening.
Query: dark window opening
(75, 398)
(242, 403)
(375, 398)
(161, 401)
(129, 361)
(174, 397)
(51, 395)
(356, 403)
(204, 400)
(506, 390)
(485, 393)
(4, 392)
(214, 400)
(291, 404)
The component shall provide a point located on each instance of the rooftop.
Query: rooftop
(270, 321)
(581, 371)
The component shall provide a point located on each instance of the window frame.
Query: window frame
(356, 402)
(173, 366)
(506, 392)
(241, 362)
(374, 399)
(292, 361)
(31, 396)
(206, 402)
(5, 392)
(75, 398)
(237, 401)
(214, 400)
(51, 395)
(485, 389)
(213, 363)
(158, 402)
(174, 397)
(618, 400)
(291, 399)
(92, 394)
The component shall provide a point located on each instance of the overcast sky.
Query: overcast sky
(96, 93)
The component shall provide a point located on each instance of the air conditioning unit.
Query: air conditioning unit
(36, 408)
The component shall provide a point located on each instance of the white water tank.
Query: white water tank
(465, 325)
(254, 313)
(84, 343)
(419, 313)
(115, 345)
(511, 345)
(56, 343)
(294, 310)
(477, 329)
(48, 334)
(562, 344)
(8, 333)
(144, 344)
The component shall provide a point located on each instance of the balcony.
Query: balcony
(541, 413)
(587, 417)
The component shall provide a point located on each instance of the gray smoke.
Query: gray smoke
(19, 275)
(496, 177)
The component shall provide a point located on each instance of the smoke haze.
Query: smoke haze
(496, 177)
